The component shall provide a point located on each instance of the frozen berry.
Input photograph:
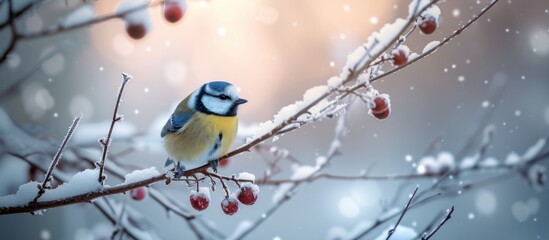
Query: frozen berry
(135, 30)
(382, 115)
(400, 55)
(248, 193)
(428, 24)
(381, 103)
(200, 200)
(173, 12)
(138, 194)
(229, 205)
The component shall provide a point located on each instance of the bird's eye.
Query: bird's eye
(224, 97)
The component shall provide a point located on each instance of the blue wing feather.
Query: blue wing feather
(175, 122)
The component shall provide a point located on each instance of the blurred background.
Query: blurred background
(273, 51)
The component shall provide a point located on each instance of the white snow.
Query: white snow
(413, 8)
(377, 41)
(534, 150)
(202, 191)
(433, 11)
(25, 194)
(489, 162)
(303, 172)
(334, 82)
(469, 162)
(430, 46)
(140, 175)
(80, 183)
(401, 233)
(80, 15)
(512, 159)
(288, 111)
(246, 176)
(242, 227)
(430, 165)
(142, 16)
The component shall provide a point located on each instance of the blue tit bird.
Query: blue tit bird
(202, 127)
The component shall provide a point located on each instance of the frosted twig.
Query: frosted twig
(448, 216)
(47, 177)
(436, 47)
(105, 142)
(390, 233)
(379, 221)
(60, 28)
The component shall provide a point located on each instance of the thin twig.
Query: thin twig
(47, 178)
(105, 142)
(390, 233)
(448, 216)
(57, 29)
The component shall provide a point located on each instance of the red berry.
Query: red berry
(381, 103)
(224, 162)
(248, 193)
(136, 30)
(400, 56)
(382, 115)
(138, 194)
(427, 24)
(173, 12)
(229, 205)
(200, 200)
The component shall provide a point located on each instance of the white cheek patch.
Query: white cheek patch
(216, 105)
(192, 100)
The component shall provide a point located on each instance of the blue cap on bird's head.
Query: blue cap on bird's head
(218, 98)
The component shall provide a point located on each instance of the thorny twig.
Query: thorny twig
(47, 178)
(105, 142)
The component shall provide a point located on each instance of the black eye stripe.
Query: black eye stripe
(221, 96)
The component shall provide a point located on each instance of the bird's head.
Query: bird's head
(218, 98)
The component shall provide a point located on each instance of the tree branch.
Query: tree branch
(105, 142)
(390, 233)
(448, 216)
(47, 178)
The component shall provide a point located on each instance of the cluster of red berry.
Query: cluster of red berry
(173, 11)
(247, 195)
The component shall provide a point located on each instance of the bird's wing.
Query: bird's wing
(175, 122)
(178, 119)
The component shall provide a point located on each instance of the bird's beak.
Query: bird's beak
(240, 101)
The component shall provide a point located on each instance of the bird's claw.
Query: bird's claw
(214, 164)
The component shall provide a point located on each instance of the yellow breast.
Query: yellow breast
(196, 141)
